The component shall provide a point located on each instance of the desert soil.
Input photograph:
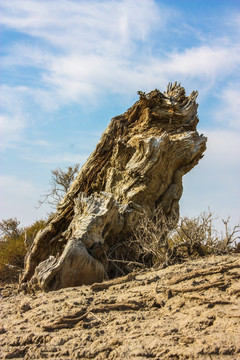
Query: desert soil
(185, 311)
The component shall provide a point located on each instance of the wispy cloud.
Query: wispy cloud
(92, 43)
(207, 61)
(80, 52)
(75, 75)
(66, 23)
(228, 113)
(12, 120)
(96, 48)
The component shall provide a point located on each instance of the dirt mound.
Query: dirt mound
(186, 311)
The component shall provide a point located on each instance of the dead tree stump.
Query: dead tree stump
(137, 165)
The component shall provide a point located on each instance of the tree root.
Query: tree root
(203, 300)
(73, 319)
(106, 284)
(198, 273)
(220, 284)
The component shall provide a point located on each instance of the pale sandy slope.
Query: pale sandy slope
(186, 311)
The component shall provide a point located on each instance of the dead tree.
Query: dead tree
(137, 166)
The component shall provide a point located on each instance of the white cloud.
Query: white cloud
(107, 26)
(12, 120)
(11, 128)
(96, 49)
(228, 113)
(15, 114)
(208, 61)
(93, 45)
(78, 77)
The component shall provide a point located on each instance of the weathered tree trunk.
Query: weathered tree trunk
(137, 165)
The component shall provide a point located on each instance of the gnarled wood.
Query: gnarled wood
(137, 165)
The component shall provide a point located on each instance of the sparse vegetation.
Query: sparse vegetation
(155, 242)
(13, 246)
(156, 239)
(9, 228)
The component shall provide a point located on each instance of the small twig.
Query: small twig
(119, 269)
(128, 262)
(97, 317)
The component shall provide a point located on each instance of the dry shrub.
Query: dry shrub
(151, 237)
(198, 237)
(148, 245)
(13, 248)
(12, 253)
(157, 241)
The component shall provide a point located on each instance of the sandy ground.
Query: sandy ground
(186, 311)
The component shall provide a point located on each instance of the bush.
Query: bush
(198, 237)
(148, 246)
(12, 253)
(13, 247)
(157, 240)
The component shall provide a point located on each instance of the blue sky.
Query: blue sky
(68, 67)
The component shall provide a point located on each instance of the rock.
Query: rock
(137, 166)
